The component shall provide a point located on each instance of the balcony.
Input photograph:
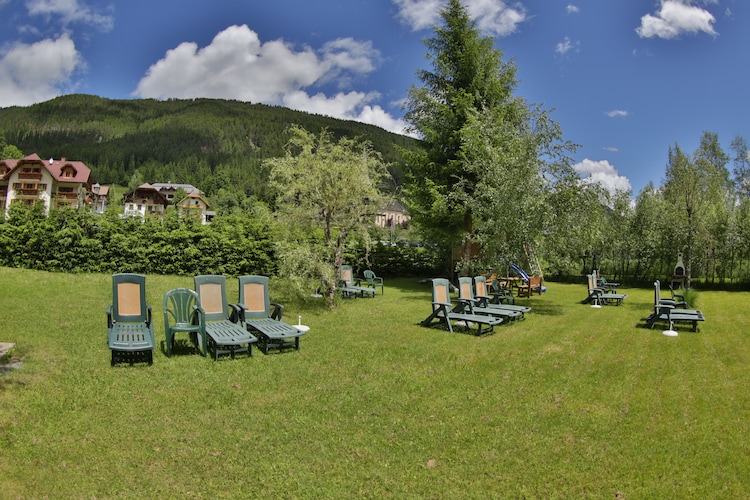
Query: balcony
(30, 176)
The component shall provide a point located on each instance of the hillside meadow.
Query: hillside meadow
(570, 402)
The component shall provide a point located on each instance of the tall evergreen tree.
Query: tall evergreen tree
(467, 76)
(479, 141)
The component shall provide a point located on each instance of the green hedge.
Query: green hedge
(80, 241)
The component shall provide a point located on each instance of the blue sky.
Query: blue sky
(627, 79)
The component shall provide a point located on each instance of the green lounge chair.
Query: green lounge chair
(350, 287)
(225, 333)
(468, 303)
(670, 314)
(442, 312)
(130, 331)
(599, 296)
(255, 309)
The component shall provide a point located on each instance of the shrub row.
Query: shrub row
(80, 241)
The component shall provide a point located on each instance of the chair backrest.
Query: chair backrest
(465, 288)
(179, 306)
(480, 287)
(254, 296)
(535, 281)
(347, 275)
(369, 275)
(212, 294)
(441, 292)
(591, 282)
(657, 292)
(129, 298)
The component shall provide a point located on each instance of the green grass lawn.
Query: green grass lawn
(570, 402)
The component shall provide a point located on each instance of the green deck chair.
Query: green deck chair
(225, 332)
(467, 302)
(255, 308)
(442, 312)
(130, 331)
(350, 287)
(665, 310)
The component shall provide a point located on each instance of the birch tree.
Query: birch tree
(327, 191)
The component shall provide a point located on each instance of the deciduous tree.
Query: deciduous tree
(327, 191)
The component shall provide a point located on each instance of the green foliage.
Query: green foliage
(691, 296)
(490, 163)
(325, 185)
(80, 241)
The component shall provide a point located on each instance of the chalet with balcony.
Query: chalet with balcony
(169, 189)
(99, 198)
(144, 200)
(196, 207)
(56, 183)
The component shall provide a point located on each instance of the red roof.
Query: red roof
(56, 168)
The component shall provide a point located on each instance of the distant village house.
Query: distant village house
(392, 216)
(56, 183)
(153, 199)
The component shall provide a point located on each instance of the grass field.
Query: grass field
(571, 402)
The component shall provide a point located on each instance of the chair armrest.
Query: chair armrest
(201, 316)
(665, 308)
(464, 303)
(109, 316)
(198, 316)
(237, 312)
(148, 316)
(277, 311)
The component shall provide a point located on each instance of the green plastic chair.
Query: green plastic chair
(182, 315)
(374, 281)
(130, 331)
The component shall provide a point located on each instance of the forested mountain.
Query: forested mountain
(213, 144)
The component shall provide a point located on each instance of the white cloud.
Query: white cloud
(566, 46)
(572, 9)
(674, 18)
(495, 17)
(237, 65)
(603, 173)
(69, 12)
(35, 73)
(611, 149)
(350, 106)
(617, 113)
